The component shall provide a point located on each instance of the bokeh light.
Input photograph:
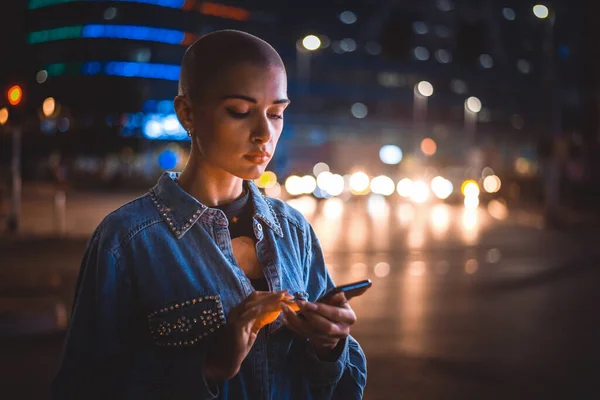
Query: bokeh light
(309, 184)
(359, 183)
(382, 185)
(419, 192)
(390, 154)
(41, 76)
(470, 188)
(49, 106)
(381, 269)
(471, 266)
(311, 42)
(293, 185)
(267, 180)
(320, 167)
(473, 104)
(168, 159)
(348, 17)
(541, 11)
(404, 187)
(359, 110)
(498, 209)
(334, 185)
(492, 183)
(3, 115)
(428, 146)
(15, 94)
(441, 187)
(425, 88)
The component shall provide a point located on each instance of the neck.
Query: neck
(210, 186)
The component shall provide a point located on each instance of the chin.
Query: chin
(251, 173)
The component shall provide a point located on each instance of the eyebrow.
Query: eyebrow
(252, 99)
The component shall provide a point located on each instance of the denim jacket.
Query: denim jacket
(158, 279)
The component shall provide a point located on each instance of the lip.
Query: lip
(258, 158)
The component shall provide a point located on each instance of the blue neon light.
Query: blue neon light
(143, 70)
(91, 68)
(33, 4)
(132, 32)
(163, 127)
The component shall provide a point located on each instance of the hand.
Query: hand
(232, 343)
(323, 324)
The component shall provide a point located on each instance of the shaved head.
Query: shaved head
(213, 55)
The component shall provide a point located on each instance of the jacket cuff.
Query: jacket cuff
(326, 373)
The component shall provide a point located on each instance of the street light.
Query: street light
(473, 104)
(304, 48)
(422, 91)
(472, 108)
(424, 88)
(15, 94)
(49, 106)
(3, 115)
(311, 42)
(541, 11)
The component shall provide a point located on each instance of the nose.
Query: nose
(263, 130)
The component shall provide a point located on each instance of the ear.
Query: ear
(183, 108)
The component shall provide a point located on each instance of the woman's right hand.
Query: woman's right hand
(234, 340)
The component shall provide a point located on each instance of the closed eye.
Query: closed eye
(276, 116)
(238, 115)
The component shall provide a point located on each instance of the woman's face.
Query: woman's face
(238, 121)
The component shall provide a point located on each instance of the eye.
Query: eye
(276, 116)
(238, 115)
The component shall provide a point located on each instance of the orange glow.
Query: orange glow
(428, 147)
(15, 94)
(188, 39)
(3, 115)
(219, 10)
(188, 5)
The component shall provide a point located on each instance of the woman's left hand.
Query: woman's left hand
(323, 324)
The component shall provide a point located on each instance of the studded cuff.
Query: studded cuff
(186, 323)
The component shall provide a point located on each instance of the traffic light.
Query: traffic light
(15, 95)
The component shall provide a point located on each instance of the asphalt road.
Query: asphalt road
(463, 306)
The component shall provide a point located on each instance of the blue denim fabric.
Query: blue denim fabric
(158, 279)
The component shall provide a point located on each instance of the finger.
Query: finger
(343, 315)
(321, 326)
(295, 323)
(338, 300)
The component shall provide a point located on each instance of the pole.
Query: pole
(14, 219)
(419, 117)
(552, 170)
(303, 67)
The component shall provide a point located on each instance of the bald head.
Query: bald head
(216, 53)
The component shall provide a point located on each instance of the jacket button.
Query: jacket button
(259, 227)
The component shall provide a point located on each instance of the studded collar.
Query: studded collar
(181, 211)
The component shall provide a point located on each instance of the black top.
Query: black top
(239, 214)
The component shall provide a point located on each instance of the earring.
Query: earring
(189, 132)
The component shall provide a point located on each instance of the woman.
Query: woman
(173, 286)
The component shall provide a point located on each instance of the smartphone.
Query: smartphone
(350, 290)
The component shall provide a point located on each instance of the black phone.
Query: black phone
(350, 290)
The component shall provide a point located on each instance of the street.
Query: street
(463, 305)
